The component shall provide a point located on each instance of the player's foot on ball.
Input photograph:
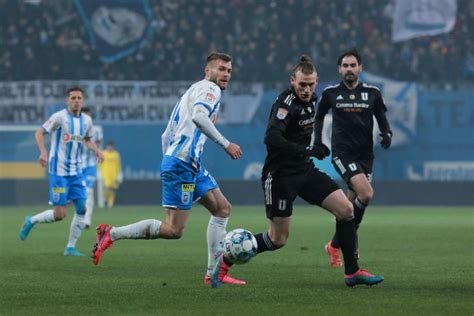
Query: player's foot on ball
(227, 280)
(71, 251)
(26, 227)
(103, 242)
(334, 257)
(362, 276)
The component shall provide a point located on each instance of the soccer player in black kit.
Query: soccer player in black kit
(288, 173)
(353, 104)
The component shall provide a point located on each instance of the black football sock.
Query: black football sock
(347, 234)
(359, 209)
(264, 243)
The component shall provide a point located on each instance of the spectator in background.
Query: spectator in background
(111, 173)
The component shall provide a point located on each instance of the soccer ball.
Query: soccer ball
(240, 246)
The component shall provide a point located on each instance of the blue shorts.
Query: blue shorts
(182, 185)
(90, 175)
(66, 188)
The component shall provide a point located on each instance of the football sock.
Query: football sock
(347, 234)
(77, 225)
(215, 235)
(264, 243)
(89, 206)
(146, 229)
(43, 217)
(359, 209)
(111, 199)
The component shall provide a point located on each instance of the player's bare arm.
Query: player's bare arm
(43, 157)
(93, 146)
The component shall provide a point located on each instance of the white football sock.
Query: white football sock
(215, 235)
(89, 206)
(43, 217)
(146, 229)
(77, 225)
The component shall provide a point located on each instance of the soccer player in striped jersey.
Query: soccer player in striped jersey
(70, 130)
(89, 168)
(183, 176)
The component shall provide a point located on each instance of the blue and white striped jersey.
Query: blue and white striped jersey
(67, 136)
(182, 138)
(88, 156)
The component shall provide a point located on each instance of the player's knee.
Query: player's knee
(279, 240)
(80, 205)
(59, 213)
(366, 195)
(224, 210)
(346, 210)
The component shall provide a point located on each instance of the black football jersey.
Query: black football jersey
(288, 134)
(352, 112)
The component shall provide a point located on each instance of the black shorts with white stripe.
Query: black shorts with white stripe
(312, 186)
(349, 165)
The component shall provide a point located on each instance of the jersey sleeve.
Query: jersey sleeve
(380, 110)
(207, 97)
(52, 123)
(280, 118)
(323, 109)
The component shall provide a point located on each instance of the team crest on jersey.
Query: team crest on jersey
(282, 113)
(365, 96)
(352, 97)
(210, 97)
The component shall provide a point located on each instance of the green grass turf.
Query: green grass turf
(425, 254)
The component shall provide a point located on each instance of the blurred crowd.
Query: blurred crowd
(46, 39)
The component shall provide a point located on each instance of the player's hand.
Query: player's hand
(234, 151)
(43, 159)
(386, 140)
(319, 150)
(99, 155)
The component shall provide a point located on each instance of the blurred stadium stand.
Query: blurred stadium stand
(135, 69)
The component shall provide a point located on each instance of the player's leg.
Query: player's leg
(57, 198)
(178, 192)
(338, 204)
(77, 193)
(363, 192)
(90, 175)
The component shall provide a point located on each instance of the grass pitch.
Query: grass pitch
(425, 254)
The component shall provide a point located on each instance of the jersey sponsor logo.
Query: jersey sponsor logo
(187, 187)
(72, 138)
(307, 121)
(352, 105)
(364, 96)
(210, 97)
(340, 97)
(282, 113)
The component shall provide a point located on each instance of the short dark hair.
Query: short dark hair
(76, 88)
(352, 52)
(216, 56)
(304, 65)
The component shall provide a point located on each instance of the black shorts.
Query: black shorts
(313, 186)
(348, 165)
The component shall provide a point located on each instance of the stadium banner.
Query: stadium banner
(116, 28)
(118, 102)
(414, 18)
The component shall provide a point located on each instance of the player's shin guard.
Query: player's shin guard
(345, 229)
(264, 243)
(89, 206)
(215, 235)
(146, 229)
